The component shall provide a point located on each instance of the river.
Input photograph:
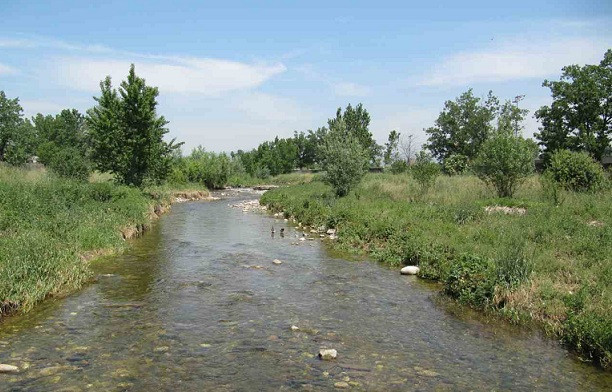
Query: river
(197, 304)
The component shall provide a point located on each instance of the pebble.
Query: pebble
(295, 328)
(341, 385)
(277, 262)
(8, 368)
(410, 270)
(327, 354)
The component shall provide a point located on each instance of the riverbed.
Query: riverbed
(197, 304)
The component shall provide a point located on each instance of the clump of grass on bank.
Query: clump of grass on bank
(552, 265)
(49, 224)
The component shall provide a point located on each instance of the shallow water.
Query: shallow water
(182, 310)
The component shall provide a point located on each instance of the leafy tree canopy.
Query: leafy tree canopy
(580, 117)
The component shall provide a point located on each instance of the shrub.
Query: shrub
(425, 171)
(471, 280)
(345, 160)
(504, 162)
(576, 171)
(399, 167)
(455, 164)
(552, 190)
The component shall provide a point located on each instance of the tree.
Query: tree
(425, 171)
(126, 133)
(462, 126)
(504, 162)
(16, 135)
(62, 143)
(408, 147)
(345, 159)
(391, 148)
(356, 121)
(580, 117)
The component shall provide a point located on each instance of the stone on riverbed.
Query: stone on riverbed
(8, 368)
(410, 270)
(295, 328)
(342, 385)
(327, 354)
(277, 262)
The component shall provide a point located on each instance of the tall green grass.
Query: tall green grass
(50, 226)
(552, 265)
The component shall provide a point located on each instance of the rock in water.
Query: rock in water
(327, 354)
(295, 328)
(8, 368)
(341, 385)
(277, 262)
(331, 231)
(410, 270)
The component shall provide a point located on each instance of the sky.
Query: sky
(234, 74)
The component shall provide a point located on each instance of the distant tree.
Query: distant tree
(391, 148)
(16, 134)
(345, 159)
(126, 133)
(408, 146)
(580, 117)
(425, 171)
(462, 126)
(357, 122)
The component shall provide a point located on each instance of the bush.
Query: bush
(576, 171)
(425, 171)
(471, 280)
(345, 160)
(399, 167)
(552, 190)
(504, 162)
(455, 164)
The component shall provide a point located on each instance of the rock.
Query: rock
(302, 239)
(425, 372)
(277, 262)
(8, 368)
(295, 328)
(410, 270)
(313, 231)
(327, 354)
(161, 349)
(331, 231)
(342, 385)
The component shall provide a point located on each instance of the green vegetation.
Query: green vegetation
(504, 162)
(49, 227)
(425, 171)
(551, 265)
(575, 171)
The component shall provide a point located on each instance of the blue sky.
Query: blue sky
(233, 74)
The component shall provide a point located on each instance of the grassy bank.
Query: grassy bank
(50, 227)
(551, 265)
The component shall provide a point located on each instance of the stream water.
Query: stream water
(187, 308)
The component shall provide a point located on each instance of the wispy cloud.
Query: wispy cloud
(6, 70)
(514, 61)
(347, 89)
(205, 76)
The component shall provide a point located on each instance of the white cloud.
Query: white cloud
(6, 70)
(33, 107)
(172, 75)
(514, 61)
(347, 89)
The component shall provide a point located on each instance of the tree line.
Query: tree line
(124, 135)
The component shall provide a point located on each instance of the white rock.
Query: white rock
(295, 328)
(331, 231)
(302, 239)
(327, 354)
(410, 270)
(277, 261)
(8, 368)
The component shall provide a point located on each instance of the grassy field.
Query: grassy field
(50, 227)
(551, 265)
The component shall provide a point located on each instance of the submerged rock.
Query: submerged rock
(410, 270)
(8, 368)
(295, 328)
(327, 354)
(277, 262)
(342, 385)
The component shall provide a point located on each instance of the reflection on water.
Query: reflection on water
(197, 304)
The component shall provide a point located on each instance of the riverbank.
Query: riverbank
(50, 228)
(522, 258)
